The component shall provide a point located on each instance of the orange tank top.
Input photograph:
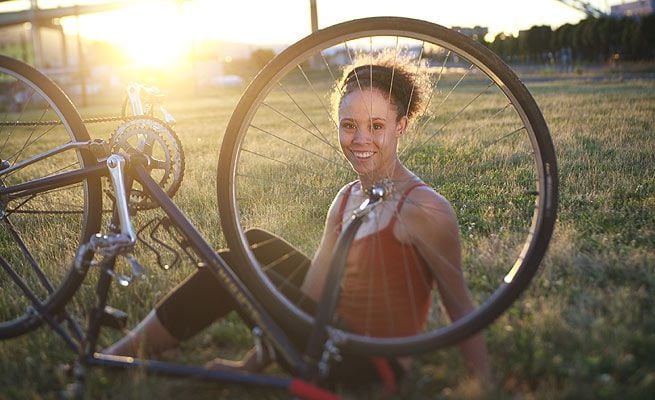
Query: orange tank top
(386, 289)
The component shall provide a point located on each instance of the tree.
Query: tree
(589, 36)
(505, 45)
(249, 67)
(538, 40)
(647, 37)
(630, 37)
(592, 39)
(260, 57)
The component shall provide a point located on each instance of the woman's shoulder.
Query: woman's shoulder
(348, 187)
(424, 202)
(341, 197)
(346, 190)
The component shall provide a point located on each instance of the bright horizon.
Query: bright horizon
(211, 19)
(160, 32)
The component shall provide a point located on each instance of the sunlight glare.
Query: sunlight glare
(152, 36)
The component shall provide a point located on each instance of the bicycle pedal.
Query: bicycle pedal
(113, 318)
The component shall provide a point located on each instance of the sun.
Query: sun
(155, 35)
(151, 34)
(162, 34)
(160, 45)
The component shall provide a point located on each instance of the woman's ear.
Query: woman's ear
(401, 126)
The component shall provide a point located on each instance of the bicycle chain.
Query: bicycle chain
(175, 172)
(94, 120)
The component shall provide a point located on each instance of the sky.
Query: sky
(147, 27)
(285, 21)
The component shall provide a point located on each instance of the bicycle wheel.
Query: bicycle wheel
(40, 233)
(482, 143)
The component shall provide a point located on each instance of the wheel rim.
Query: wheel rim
(494, 162)
(39, 234)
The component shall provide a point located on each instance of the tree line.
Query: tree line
(594, 39)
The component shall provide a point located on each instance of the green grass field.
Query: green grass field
(585, 328)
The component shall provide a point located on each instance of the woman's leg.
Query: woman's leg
(286, 267)
(149, 337)
(200, 300)
(186, 310)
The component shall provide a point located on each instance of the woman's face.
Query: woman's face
(369, 129)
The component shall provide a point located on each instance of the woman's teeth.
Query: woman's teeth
(363, 154)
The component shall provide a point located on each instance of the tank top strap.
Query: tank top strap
(344, 202)
(401, 202)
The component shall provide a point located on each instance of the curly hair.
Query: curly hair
(395, 76)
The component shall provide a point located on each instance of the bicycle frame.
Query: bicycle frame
(122, 169)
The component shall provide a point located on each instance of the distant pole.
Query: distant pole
(314, 15)
(64, 45)
(25, 53)
(36, 36)
(81, 60)
(313, 61)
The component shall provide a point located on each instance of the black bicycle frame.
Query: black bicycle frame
(210, 258)
(135, 170)
(63, 179)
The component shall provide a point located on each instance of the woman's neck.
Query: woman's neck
(397, 174)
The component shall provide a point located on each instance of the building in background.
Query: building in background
(476, 33)
(633, 8)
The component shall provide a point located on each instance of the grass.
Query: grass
(583, 329)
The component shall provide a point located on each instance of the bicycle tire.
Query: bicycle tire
(235, 209)
(37, 117)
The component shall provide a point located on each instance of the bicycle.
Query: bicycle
(277, 139)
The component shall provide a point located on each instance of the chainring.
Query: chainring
(158, 141)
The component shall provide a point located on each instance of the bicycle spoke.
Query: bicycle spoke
(51, 173)
(42, 227)
(304, 149)
(311, 121)
(318, 97)
(328, 68)
(43, 312)
(49, 202)
(27, 142)
(28, 255)
(508, 135)
(294, 122)
(4, 123)
(22, 111)
(266, 180)
(294, 167)
(451, 119)
(285, 163)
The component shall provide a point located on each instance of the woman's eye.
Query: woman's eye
(348, 125)
(378, 127)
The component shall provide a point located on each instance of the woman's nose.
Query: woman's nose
(362, 135)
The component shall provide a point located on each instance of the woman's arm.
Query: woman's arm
(431, 225)
(316, 275)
